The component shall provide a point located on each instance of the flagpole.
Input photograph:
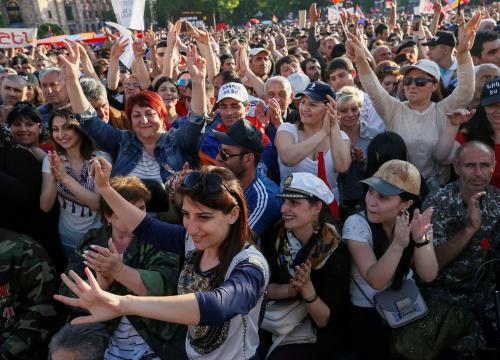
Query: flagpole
(458, 6)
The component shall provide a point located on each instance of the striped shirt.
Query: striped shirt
(127, 344)
(147, 168)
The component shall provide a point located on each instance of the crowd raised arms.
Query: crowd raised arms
(255, 192)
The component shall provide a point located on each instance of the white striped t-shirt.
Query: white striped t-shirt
(147, 168)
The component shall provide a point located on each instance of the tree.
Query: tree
(44, 29)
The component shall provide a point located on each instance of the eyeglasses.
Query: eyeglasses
(225, 155)
(210, 182)
(419, 81)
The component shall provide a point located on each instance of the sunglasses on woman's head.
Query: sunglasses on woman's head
(420, 81)
(211, 182)
(387, 69)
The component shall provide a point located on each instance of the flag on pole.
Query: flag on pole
(388, 4)
(451, 4)
(357, 10)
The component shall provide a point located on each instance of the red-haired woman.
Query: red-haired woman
(149, 151)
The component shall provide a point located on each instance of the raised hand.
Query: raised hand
(331, 112)
(106, 261)
(173, 34)
(467, 31)
(150, 38)
(139, 47)
(354, 49)
(313, 14)
(57, 167)
(100, 170)
(402, 230)
(196, 65)
(102, 305)
(70, 63)
(118, 49)
(201, 36)
(421, 223)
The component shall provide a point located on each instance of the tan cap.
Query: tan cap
(395, 177)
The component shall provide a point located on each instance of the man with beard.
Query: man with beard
(240, 151)
(312, 68)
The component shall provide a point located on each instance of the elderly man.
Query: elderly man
(381, 53)
(96, 94)
(260, 62)
(466, 229)
(54, 92)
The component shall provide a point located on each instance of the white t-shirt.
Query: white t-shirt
(307, 164)
(356, 228)
(147, 168)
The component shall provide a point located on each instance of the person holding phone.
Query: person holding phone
(466, 228)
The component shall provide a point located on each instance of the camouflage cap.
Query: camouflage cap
(395, 177)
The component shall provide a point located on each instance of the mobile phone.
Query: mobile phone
(416, 22)
(184, 27)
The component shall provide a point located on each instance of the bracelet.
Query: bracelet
(420, 244)
(311, 299)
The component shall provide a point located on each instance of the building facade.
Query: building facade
(74, 16)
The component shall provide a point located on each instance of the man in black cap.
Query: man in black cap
(441, 50)
(240, 151)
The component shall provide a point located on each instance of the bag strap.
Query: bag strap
(372, 302)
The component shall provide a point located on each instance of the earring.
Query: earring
(316, 225)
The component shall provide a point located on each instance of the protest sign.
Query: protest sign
(127, 57)
(333, 15)
(129, 13)
(17, 37)
(302, 19)
(425, 7)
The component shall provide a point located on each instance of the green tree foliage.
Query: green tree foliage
(44, 28)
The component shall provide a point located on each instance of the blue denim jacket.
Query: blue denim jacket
(172, 149)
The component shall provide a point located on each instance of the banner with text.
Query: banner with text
(129, 13)
(17, 37)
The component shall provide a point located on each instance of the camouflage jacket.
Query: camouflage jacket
(27, 283)
(455, 281)
(159, 271)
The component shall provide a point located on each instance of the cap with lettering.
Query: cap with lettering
(490, 93)
(234, 91)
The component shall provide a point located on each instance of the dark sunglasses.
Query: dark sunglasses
(224, 155)
(210, 182)
(387, 69)
(419, 81)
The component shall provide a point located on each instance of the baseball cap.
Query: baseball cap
(243, 134)
(430, 67)
(490, 93)
(395, 177)
(317, 91)
(406, 45)
(304, 185)
(258, 50)
(442, 38)
(299, 82)
(234, 91)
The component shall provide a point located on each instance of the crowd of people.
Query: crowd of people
(257, 192)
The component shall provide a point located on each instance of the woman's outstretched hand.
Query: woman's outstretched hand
(101, 305)
(100, 170)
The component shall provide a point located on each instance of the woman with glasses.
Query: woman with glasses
(149, 151)
(223, 279)
(310, 268)
(387, 73)
(420, 121)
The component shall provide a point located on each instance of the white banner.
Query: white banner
(129, 13)
(333, 15)
(425, 7)
(17, 37)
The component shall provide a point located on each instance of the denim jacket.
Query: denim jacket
(171, 151)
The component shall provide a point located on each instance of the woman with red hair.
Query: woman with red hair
(149, 151)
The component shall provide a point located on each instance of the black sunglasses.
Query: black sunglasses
(225, 155)
(210, 182)
(387, 69)
(419, 81)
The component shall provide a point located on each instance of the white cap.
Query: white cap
(256, 51)
(299, 82)
(234, 91)
(303, 185)
(429, 66)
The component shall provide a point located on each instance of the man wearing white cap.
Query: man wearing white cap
(232, 105)
(260, 62)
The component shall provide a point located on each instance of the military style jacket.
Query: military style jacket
(159, 271)
(27, 311)
(456, 281)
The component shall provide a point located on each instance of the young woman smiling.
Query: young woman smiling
(222, 283)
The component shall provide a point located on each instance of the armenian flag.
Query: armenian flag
(388, 4)
(357, 10)
(451, 4)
